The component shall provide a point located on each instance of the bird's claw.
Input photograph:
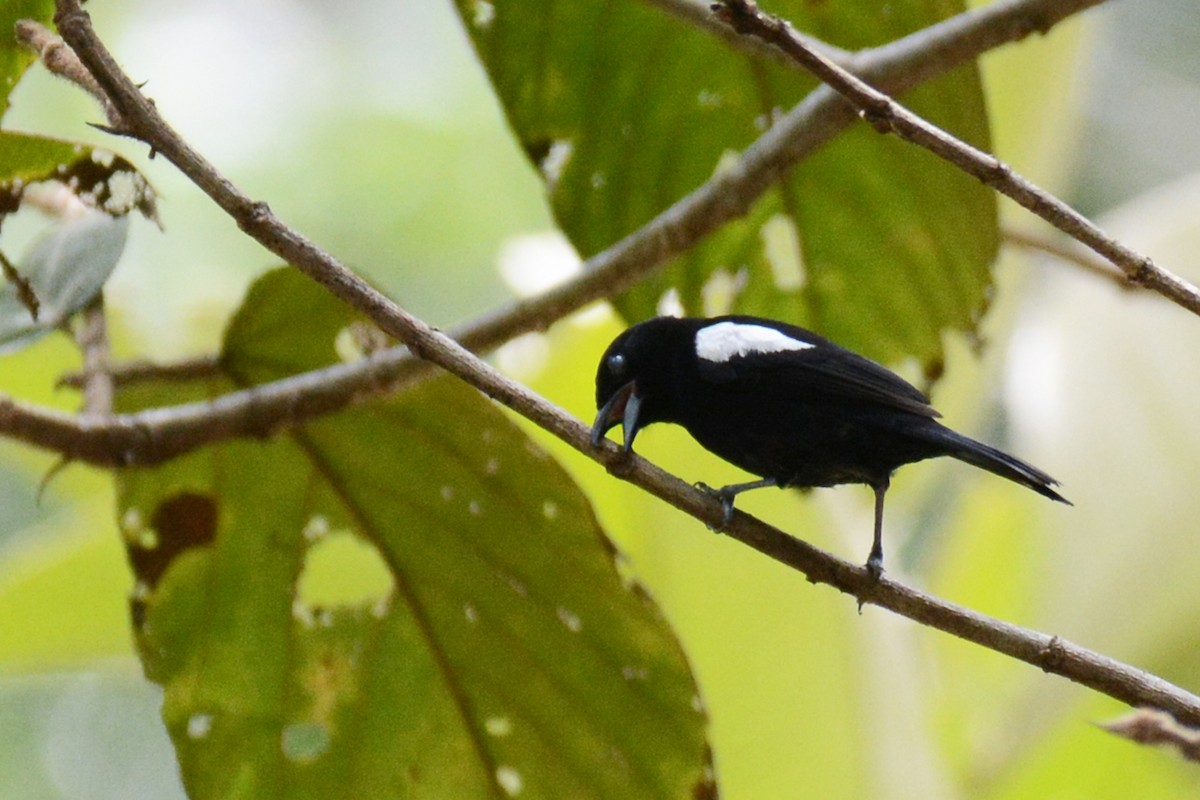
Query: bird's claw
(726, 499)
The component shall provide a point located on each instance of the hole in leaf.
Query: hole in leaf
(342, 569)
(552, 164)
(498, 726)
(781, 246)
(670, 304)
(721, 290)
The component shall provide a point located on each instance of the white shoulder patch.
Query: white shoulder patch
(725, 340)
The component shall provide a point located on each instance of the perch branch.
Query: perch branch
(888, 116)
(1049, 653)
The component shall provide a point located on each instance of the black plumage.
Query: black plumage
(783, 403)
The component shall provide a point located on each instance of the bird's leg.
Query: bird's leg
(875, 560)
(726, 494)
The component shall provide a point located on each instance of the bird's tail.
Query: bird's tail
(1000, 463)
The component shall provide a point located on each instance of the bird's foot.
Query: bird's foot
(874, 566)
(726, 498)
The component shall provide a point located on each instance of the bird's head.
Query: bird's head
(634, 377)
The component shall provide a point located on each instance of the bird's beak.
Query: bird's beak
(623, 407)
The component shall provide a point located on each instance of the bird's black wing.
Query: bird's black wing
(824, 370)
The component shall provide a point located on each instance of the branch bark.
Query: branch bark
(888, 116)
(897, 66)
(92, 338)
(1077, 255)
(1047, 652)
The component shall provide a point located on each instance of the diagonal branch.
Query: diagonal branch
(895, 66)
(1048, 653)
(888, 116)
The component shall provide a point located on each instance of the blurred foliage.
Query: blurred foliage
(448, 176)
(804, 695)
(626, 109)
(61, 274)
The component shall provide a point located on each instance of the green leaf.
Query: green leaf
(626, 109)
(406, 599)
(65, 270)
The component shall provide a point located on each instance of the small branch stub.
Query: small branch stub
(1153, 727)
(21, 286)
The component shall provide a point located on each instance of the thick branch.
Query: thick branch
(1048, 653)
(888, 116)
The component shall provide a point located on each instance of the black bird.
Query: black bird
(784, 403)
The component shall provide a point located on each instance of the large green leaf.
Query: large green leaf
(626, 109)
(406, 599)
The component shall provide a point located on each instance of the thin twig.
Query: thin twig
(697, 14)
(25, 293)
(888, 116)
(133, 372)
(1076, 255)
(61, 60)
(1148, 726)
(92, 337)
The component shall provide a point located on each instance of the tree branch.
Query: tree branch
(137, 371)
(61, 60)
(1076, 255)
(888, 116)
(257, 412)
(21, 286)
(1048, 653)
(698, 15)
(92, 337)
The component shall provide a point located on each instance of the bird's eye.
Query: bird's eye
(616, 364)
